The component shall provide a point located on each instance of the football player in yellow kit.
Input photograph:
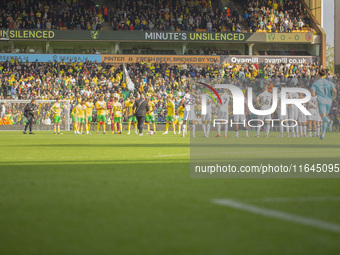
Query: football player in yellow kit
(81, 109)
(89, 108)
(129, 110)
(101, 113)
(117, 114)
(170, 117)
(56, 109)
(180, 113)
(150, 118)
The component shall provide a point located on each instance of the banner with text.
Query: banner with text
(87, 35)
(238, 59)
(50, 57)
(170, 59)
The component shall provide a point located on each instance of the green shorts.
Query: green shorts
(133, 119)
(74, 119)
(81, 120)
(150, 118)
(169, 118)
(89, 118)
(117, 119)
(56, 119)
(101, 118)
(180, 119)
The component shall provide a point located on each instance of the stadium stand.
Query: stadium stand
(274, 16)
(83, 15)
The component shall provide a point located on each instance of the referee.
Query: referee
(141, 108)
(29, 114)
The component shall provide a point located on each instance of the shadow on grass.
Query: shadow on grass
(192, 144)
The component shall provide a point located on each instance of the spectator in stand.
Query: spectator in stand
(33, 14)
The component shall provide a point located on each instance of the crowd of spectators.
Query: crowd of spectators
(33, 14)
(182, 15)
(264, 15)
(24, 80)
(275, 15)
(157, 15)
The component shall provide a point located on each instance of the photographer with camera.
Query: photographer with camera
(29, 114)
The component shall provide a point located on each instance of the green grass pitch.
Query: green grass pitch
(124, 194)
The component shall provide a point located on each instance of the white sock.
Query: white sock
(236, 132)
(268, 129)
(318, 130)
(204, 132)
(208, 129)
(287, 130)
(246, 132)
(281, 129)
(258, 130)
(183, 128)
(219, 129)
(301, 130)
(225, 129)
(305, 130)
(193, 127)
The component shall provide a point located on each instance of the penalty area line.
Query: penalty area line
(324, 225)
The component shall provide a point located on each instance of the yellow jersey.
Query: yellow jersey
(89, 108)
(81, 111)
(56, 109)
(181, 111)
(152, 108)
(170, 106)
(101, 108)
(129, 105)
(117, 109)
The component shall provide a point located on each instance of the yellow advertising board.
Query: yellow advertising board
(289, 37)
(170, 59)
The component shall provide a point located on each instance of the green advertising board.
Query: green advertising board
(179, 36)
(87, 35)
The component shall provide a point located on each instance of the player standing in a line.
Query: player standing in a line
(302, 119)
(188, 112)
(265, 101)
(101, 113)
(110, 108)
(206, 118)
(223, 114)
(312, 108)
(88, 120)
(170, 117)
(117, 114)
(326, 92)
(129, 110)
(56, 109)
(150, 118)
(81, 115)
(280, 115)
(241, 118)
(74, 119)
(293, 114)
(180, 113)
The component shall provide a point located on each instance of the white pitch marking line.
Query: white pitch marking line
(324, 225)
(294, 199)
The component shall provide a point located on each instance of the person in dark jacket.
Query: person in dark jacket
(141, 107)
(29, 114)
